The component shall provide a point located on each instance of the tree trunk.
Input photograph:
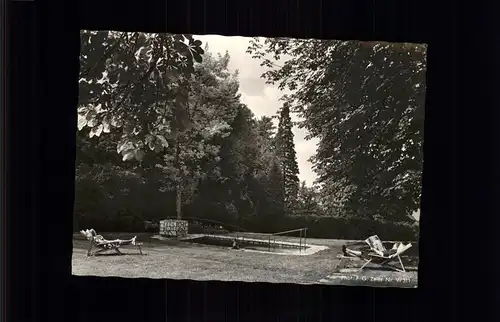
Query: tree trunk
(178, 201)
(178, 188)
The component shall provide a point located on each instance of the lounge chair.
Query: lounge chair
(102, 244)
(379, 255)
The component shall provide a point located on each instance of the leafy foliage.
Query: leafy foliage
(135, 82)
(364, 101)
(308, 201)
(275, 191)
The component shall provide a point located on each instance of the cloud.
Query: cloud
(252, 86)
(261, 98)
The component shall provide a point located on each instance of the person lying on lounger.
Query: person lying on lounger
(378, 254)
(363, 252)
(103, 244)
(351, 252)
(91, 233)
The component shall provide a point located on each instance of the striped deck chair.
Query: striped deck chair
(102, 244)
(383, 257)
(378, 254)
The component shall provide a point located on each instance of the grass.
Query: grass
(181, 260)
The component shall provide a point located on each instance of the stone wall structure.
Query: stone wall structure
(173, 228)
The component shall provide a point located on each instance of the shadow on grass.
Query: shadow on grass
(116, 254)
(354, 263)
(387, 269)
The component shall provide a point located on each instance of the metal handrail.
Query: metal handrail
(301, 230)
(289, 231)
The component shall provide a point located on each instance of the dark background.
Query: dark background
(459, 217)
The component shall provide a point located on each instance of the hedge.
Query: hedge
(317, 227)
(339, 228)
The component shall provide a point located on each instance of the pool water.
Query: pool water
(246, 245)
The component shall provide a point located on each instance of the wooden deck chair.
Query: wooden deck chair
(102, 244)
(381, 256)
(378, 254)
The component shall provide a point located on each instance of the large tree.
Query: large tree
(288, 157)
(239, 160)
(159, 102)
(275, 193)
(265, 139)
(212, 104)
(365, 103)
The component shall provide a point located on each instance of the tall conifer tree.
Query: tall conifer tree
(288, 157)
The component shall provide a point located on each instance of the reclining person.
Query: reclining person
(91, 233)
(388, 252)
(351, 252)
(105, 244)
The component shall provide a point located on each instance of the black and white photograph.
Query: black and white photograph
(279, 160)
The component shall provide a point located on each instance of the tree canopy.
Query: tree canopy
(136, 82)
(365, 103)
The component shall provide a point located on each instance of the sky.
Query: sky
(261, 98)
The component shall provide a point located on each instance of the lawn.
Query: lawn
(182, 260)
